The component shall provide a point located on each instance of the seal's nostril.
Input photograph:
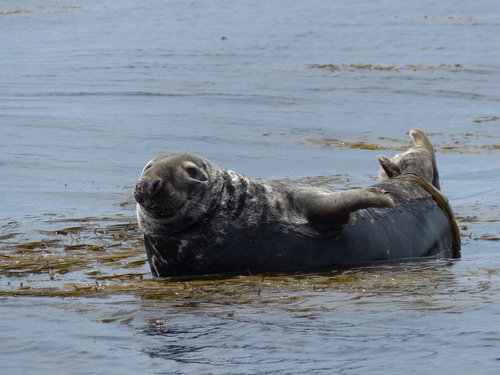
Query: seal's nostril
(147, 188)
(154, 185)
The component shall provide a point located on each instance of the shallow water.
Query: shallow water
(89, 92)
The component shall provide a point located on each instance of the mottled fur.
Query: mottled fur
(169, 199)
(198, 218)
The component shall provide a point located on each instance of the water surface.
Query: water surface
(305, 90)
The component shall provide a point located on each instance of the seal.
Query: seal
(201, 219)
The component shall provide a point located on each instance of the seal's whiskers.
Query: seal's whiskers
(201, 205)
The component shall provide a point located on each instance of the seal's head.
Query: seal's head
(174, 191)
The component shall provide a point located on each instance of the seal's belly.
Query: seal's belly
(371, 235)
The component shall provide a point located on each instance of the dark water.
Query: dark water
(90, 91)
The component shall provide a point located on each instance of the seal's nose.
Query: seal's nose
(147, 187)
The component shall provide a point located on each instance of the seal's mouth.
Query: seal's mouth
(150, 194)
(164, 212)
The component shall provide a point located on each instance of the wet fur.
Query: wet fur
(217, 221)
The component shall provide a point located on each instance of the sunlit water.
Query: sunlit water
(314, 90)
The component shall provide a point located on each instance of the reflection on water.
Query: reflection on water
(308, 91)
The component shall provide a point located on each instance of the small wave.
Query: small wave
(392, 68)
(99, 93)
(489, 118)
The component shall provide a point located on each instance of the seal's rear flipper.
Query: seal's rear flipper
(421, 140)
(419, 160)
(390, 168)
(331, 209)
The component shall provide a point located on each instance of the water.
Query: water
(89, 92)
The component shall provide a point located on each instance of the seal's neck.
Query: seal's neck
(232, 197)
(244, 197)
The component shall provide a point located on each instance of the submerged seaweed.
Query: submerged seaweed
(16, 11)
(462, 143)
(358, 145)
(101, 256)
(486, 119)
(392, 68)
(329, 142)
(96, 248)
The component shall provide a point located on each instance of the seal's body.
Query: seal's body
(199, 219)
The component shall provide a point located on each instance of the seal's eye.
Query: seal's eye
(148, 166)
(195, 173)
(192, 172)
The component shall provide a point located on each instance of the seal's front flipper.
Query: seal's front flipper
(331, 209)
(389, 168)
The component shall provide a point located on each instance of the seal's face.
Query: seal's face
(174, 188)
